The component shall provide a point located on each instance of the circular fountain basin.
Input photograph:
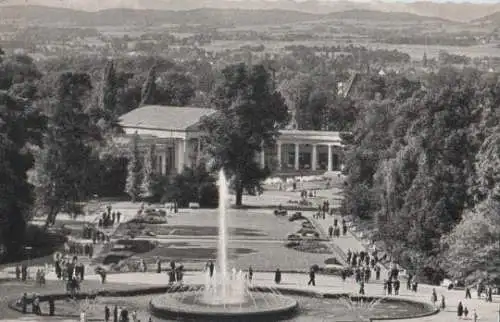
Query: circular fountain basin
(261, 306)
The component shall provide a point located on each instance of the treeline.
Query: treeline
(423, 169)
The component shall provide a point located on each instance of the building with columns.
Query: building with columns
(178, 141)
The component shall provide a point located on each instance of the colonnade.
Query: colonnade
(297, 152)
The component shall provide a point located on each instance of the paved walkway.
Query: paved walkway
(332, 284)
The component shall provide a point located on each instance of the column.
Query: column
(279, 154)
(164, 158)
(185, 149)
(314, 157)
(180, 150)
(198, 152)
(262, 159)
(296, 156)
(329, 157)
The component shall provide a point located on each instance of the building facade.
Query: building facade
(175, 133)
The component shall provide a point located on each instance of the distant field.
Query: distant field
(415, 51)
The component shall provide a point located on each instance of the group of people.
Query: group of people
(22, 272)
(362, 258)
(462, 311)
(121, 314)
(109, 218)
(71, 272)
(175, 273)
(334, 231)
(481, 288)
(77, 248)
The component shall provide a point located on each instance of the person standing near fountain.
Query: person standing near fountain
(158, 266)
(250, 274)
(107, 314)
(211, 268)
(115, 314)
(362, 288)
(397, 285)
(277, 276)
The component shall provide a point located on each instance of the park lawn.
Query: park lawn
(262, 256)
(243, 224)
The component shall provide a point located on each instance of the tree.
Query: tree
(134, 175)
(192, 185)
(175, 89)
(20, 126)
(108, 102)
(149, 88)
(148, 174)
(250, 115)
(473, 247)
(66, 165)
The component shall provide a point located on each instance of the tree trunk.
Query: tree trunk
(50, 220)
(239, 196)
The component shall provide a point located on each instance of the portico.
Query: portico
(172, 130)
(175, 133)
(304, 151)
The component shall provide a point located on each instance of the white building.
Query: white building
(175, 133)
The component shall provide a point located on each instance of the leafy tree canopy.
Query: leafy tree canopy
(250, 115)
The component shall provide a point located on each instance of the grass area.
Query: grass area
(243, 224)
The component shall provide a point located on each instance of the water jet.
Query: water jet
(225, 296)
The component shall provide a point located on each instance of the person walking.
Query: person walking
(460, 310)
(475, 317)
(107, 314)
(467, 293)
(434, 297)
(312, 277)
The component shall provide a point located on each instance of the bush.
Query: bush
(149, 219)
(308, 231)
(43, 242)
(208, 195)
(114, 258)
(137, 246)
(193, 185)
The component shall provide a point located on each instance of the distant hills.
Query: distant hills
(205, 16)
(493, 19)
(446, 10)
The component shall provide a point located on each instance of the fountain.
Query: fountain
(225, 295)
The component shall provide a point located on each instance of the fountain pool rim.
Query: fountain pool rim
(170, 305)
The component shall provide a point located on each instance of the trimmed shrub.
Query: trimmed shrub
(208, 195)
